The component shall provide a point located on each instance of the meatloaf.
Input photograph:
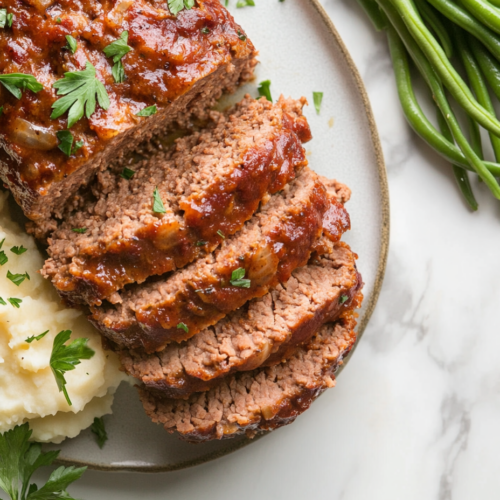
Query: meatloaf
(263, 332)
(258, 400)
(176, 66)
(209, 184)
(278, 239)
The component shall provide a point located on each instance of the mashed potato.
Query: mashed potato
(28, 390)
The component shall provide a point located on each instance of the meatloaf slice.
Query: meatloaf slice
(278, 239)
(263, 399)
(264, 331)
(177, 65)
(211, 183)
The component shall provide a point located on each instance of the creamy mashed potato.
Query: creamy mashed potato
(28, 390)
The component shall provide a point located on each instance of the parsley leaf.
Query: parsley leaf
(19, 459)
(245, 3)
(79, 89)
(100, 431)
(318, 99)
(3, 258)
(18, 250)
(72, 44)
(150, 110)
(237, 278)
(66, 144)
(17, 279)
(264, 90)
(37, 338)
(117, 50)
(79, 230)
(15, 302)
(176, 6)
(343, 299)
(127, 173)
(158, 206)
(15, 83)
(65, 358)
(183, 326)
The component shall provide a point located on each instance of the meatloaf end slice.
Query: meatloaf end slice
(179, 64)
(259, 400)
(210, 184)
(278, 239)
(263, 332)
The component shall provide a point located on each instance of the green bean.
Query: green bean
(460, 174)
(477, 82)
(431, 18)
(442, 66)
(489, 66)
(374, 13)
(460, 16)
(484, 12)
(434, 83)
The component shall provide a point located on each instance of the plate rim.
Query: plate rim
(379, 278)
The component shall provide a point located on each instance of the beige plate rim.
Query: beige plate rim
(384, 188)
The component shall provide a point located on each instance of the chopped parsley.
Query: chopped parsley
(72, 44)
(318, 99)
(65, 358)
(66, 144)
(37, 338)
(99, 430)
(158, 206)
(127, 173)
(221, 234)
(241, 36)
(205, 30)
(15, 83)
(183, 326)
(3, 258)
(117, 50)
(58, 20)
(20, 458)
(17, 279)
(150, 110)
(176, 6)
(237, 278)
(15, 302)
(201, 243)
(245, 3)
(343, 299)
(18, 250)
(79, 89)
(264, 90)
(80, 230)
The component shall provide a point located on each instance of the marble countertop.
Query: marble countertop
(415, 413)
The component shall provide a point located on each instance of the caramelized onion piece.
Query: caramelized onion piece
(32, 136)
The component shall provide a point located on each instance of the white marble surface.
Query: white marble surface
(416, 412)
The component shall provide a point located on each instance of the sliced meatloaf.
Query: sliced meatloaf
(278, 239)
(263, 399)
(175, 65)
(263, 332)
(209, 184)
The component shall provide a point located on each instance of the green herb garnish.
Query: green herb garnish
(6, 19)
(117, 50)
(176, 6)
(79, 89)
(127, 173)
(237, 278)
(183, 326)
(3, 302)
(343, 299)
(3, 258)
(66, 144)
(20, 458)
(150, 110)
(10, 20)
(205, 30)
(264, 90)
(18, 250)
(15, 83)
(65, 358)
(158, 206)
(245, 3)
(318, 99)
(37, 338)
(79, 230)
(221, 234)
(201, 243)
(15, 302)
(241, 36)
(2, 242)
(17, 279)
(58, 20)
(99, 430)
(72, 44)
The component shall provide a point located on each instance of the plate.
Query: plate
(300, 52)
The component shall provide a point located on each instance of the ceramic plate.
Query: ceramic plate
(300, 52)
